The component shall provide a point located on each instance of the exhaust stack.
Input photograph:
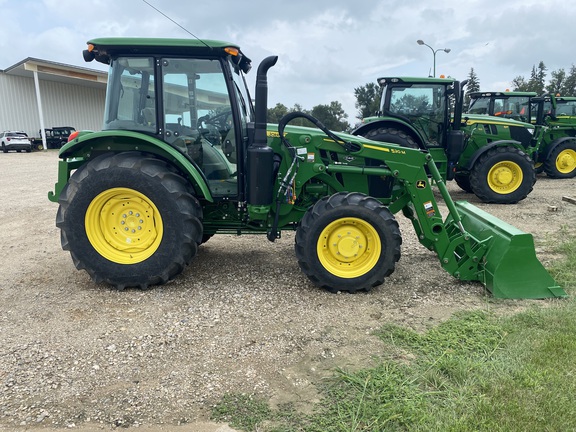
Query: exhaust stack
(260, 163)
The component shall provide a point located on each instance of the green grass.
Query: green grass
(475, 372)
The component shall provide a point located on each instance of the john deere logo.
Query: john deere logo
(421, 184)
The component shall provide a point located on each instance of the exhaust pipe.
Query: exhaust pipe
(260, 157)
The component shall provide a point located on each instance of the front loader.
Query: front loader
(184, 155)
(488, 156)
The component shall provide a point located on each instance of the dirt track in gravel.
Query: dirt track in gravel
(241, 318)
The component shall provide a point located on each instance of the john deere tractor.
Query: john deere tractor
(489, 156)
(555, 121)
(184, 155)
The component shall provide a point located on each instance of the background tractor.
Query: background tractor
(555, 121)
(184, 155)
(488, 156)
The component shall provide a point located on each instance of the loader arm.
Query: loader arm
(471, 244)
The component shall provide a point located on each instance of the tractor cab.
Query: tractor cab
(514, 105)
(424, 104)
(197, 103)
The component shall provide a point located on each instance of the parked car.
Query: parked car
(14, 140)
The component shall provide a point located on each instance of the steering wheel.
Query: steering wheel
(219, 120)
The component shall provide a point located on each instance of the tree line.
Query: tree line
(560, 82)
(367, 103)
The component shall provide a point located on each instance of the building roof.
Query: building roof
(59, 72)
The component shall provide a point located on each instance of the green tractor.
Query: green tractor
(555, 121)
(184, 155)
(488, 156)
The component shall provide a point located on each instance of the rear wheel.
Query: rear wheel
(562, 161)
(129, 220)
(392, 135)
(503, 175)
(348, 242)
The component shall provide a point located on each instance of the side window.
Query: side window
(198, 118)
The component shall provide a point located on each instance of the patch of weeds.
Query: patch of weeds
(241, 411)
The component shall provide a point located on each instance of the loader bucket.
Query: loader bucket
(510, 266)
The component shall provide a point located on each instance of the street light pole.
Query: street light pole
(446, 50)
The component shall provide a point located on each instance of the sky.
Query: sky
(326, 48)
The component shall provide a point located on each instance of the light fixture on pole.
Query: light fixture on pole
(446, 50)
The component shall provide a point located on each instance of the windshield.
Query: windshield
(479, 105)
(513, 107)
(130, 93)
(565, 108)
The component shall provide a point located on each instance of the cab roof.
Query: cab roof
(414, 80)
(501, 94)
(106, 48)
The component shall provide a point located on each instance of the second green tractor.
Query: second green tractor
(486, 155)
(554, 118)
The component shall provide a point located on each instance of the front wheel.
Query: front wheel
(561, 162)
(129, 220)
(503, 175)
(348, 242)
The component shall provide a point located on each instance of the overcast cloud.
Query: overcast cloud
(326, 48)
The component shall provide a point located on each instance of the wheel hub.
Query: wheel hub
(349, 247)
(566, 161)
(347, 244)
(124, 226)
(505, 177)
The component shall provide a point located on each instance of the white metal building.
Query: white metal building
(37, 94)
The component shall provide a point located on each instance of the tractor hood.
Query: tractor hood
(472, 119)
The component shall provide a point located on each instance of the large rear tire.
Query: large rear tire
(348, 242)
(392, 135)
(503, 175)
(129, 220)
(561, 162)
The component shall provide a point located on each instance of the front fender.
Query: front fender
(87, 146)
(484, 149)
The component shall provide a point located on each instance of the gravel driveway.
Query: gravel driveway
(241, 318)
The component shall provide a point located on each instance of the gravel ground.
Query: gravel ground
(241, 318)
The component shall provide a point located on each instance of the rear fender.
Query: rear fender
(391, 123)
(87, 146)
(484, 149)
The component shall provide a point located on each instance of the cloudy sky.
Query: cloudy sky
(326, 48)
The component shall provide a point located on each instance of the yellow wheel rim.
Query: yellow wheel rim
(505, 177)
(349, 247)
(124, 226)
(566, 161)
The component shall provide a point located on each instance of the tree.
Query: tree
(332, 116)
(519, 84)
(569, 84)
(537, 81)
(556, 81)
(472, 86)
(367, 99)
(280, 110)
(276, 113)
